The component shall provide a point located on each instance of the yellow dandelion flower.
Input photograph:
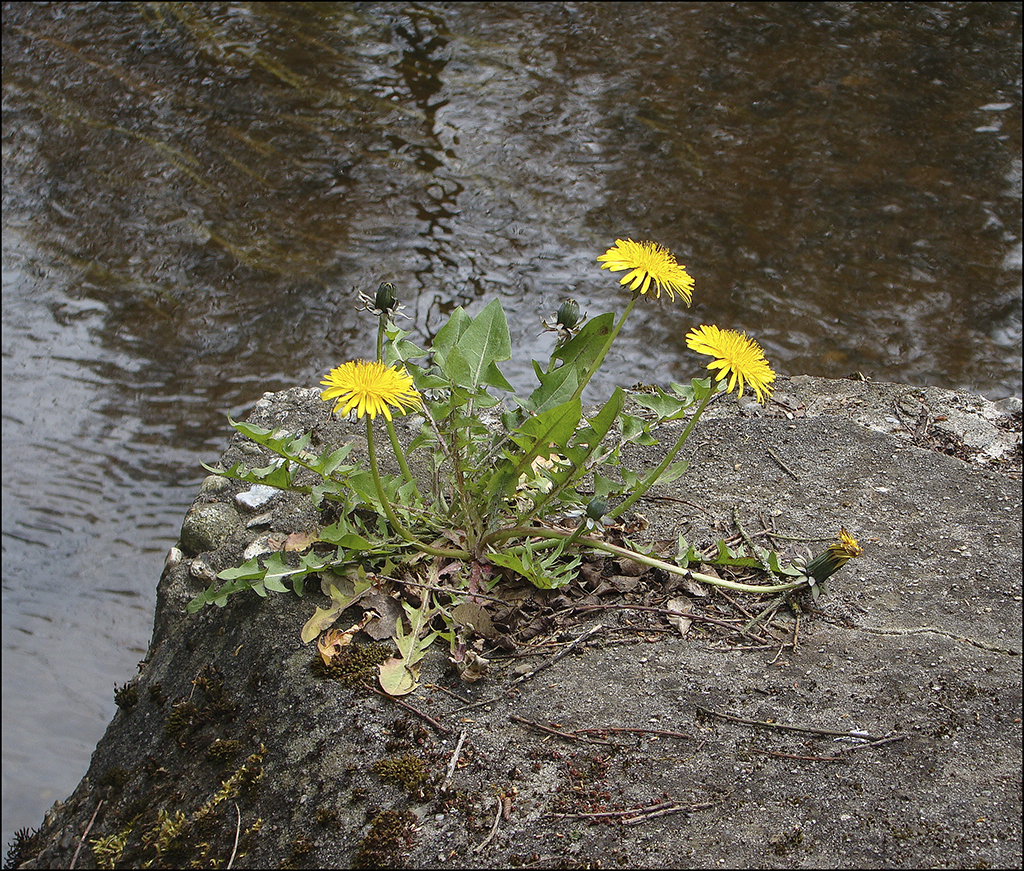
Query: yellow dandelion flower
(834, 557)
(735, 353)
(648, 262)
(371, 388)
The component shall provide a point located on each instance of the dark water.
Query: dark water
(195, 193)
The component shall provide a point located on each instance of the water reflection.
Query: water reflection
(194, 194)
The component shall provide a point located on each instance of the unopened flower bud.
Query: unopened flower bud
(596, 508)
(568, 314)
(385, 298)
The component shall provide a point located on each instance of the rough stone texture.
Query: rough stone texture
(919, 640)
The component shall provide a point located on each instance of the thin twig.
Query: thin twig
(810, 729)
(85, 834)
(603, 815)
(494, 828)
(561, 654)
(410, 708)
(697, 618)
(747, 541)
(453, 763)
(238, 827)
(684, 808)
(570, 736)
(838, 757)
(629, 731)
(783, 466)
(456, 696)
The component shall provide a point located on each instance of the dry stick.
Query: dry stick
(494, 828)
(626, 812)
(541, 667)
(238, 826)
(782, 465)
(699, 618)
(747, 541)
(456, 696)
(661, 732)
(453, 763)
(840, 756)
(810, 729)
(410, 708)
(571, 736)
(85, 834)
(685, 808)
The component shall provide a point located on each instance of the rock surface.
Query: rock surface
(230, 748)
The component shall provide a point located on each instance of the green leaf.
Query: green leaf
(555, 388)
(686, 553)
(664, 405)
(582, 349)
(552, 427)
(727, 556)
(399, 676)
(673, 472)
(637, 430)
(545, 573)
(458, 322)
(471, 361)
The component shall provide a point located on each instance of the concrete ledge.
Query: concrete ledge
(230, 745)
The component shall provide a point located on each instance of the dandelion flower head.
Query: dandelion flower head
(370, 388)
(649, 263)
(846, 548)
(735, 355)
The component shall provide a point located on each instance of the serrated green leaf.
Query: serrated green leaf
(664, 405)
(582, 349)
(555, 388)
(471, 360)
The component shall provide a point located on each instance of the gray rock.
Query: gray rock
(206, 527)
(238, 748)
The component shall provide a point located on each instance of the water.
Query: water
(194, 195)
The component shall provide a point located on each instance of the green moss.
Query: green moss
(355, 665)
(390, 834)
(115, 777)
(156, 693)
(327, 816)
(107, 851)
(407, 771)
(223, 750)
(183, 716)
(126, 697)
(24, 845)
(299, 850)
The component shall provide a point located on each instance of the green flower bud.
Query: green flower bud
(596, 508)
(385, 299)
(568, 314)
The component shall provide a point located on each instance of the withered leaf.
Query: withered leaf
(679, 618)
(472, 615)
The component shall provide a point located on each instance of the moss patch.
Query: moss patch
(355, 665)
(407, 771)
(390, 834)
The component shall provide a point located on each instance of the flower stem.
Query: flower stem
(390, 512)
(382, 322)
(615, 550)
(647, 482)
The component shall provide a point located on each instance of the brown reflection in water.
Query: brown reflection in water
(232, 174)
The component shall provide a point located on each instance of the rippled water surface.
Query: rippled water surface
(195, 193)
